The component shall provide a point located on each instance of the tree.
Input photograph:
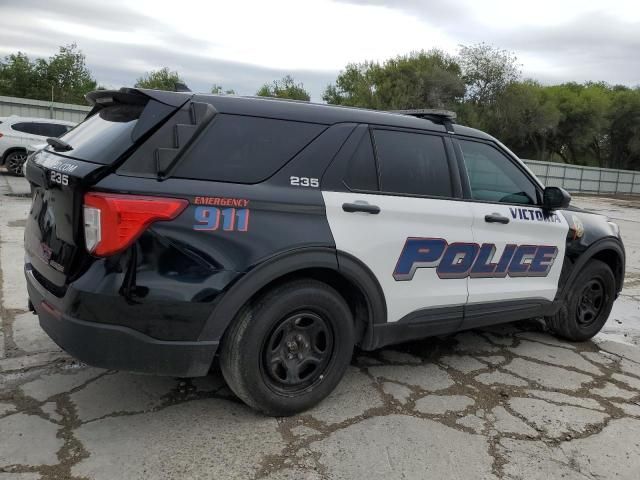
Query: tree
(64, 77)
(67, 75)
(17, 76)
(580, 136)
(624, 128)
(284, 88)
(163, 79)
(524, 117)
(421, 79)
(487, 71)
(218, 90)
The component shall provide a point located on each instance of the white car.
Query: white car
(18, 133)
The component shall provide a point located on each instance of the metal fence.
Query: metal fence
(578, 179)
(24, 107)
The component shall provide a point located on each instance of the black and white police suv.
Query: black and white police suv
(171, 227)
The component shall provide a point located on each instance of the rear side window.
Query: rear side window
(361, 171)
(104, 136)
(241, 149)
(412, 163)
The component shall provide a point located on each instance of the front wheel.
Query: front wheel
(15, 161)
(588, 303)
(290, 348)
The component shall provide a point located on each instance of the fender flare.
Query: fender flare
(286, 263)
(609, 243)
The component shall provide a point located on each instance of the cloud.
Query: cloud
(242, 45)
(116, 63)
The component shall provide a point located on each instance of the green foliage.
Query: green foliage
(487, 71)
(425, 78)
(588, 124)
(63, 77)
(218, 90)
(163, 79)
(284, 88)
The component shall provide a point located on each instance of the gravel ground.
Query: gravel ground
(507, 402)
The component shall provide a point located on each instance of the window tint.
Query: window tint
(236, 148)
(494, 177)
(412, 163)
(26, 127)
(361, 172)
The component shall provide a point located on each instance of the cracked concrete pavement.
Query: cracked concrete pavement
(508, 402)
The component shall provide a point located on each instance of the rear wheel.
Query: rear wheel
(588, 303)
(14, 162)
(290, 348)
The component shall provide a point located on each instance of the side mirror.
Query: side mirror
(555, 197)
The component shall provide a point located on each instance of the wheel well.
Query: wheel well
(9, 151)
(349, 291)
(612, 258)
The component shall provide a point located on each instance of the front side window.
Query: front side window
(494, 178)
(412, 163)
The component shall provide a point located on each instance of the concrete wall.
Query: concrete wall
(24, 107)
(578, 179)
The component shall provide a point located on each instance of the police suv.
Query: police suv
(170, 228)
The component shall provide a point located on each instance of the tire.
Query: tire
(288, 350)
(14, 162)
(587, 305)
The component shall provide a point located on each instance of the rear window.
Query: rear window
(105, 136)
(241, 149)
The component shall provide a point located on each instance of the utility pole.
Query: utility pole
(51, 107)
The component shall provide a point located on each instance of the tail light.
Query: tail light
(112, 222)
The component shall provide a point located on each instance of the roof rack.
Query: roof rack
(443, 117)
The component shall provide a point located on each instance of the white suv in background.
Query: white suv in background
(18, 133)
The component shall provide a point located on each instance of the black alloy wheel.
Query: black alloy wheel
(297, 352)
(590, 302)
(15, 161)
(289, 347)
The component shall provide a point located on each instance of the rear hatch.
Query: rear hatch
(61, 174)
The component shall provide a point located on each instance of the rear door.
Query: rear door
(520, 246)
(396, 213)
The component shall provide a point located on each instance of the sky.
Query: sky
(241, 44)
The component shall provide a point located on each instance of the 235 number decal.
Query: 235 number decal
(210, 219)
(60, 178)
(304, 182)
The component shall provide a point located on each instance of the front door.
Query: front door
(520, 246)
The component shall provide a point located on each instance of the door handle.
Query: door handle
(361, 207)
(496, 218)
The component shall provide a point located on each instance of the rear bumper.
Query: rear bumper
(117, 347)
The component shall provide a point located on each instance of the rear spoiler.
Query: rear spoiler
(137, 96)
(442, 117)
(158, 105)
